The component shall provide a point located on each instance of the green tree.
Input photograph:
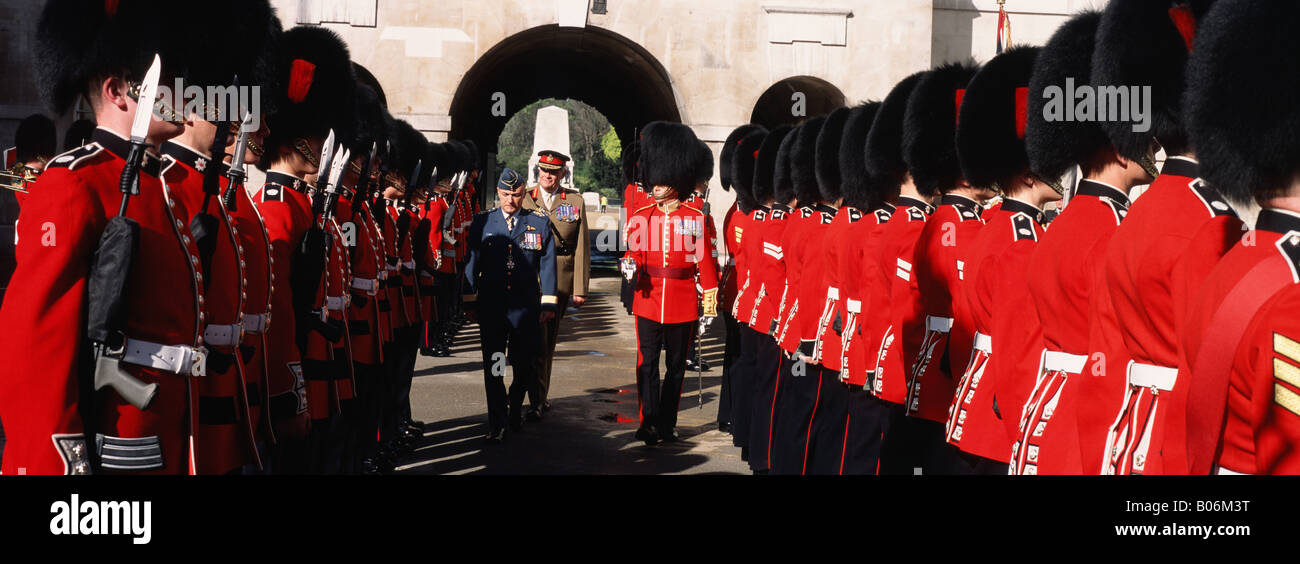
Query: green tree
(596, 148)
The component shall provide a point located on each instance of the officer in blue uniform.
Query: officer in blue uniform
(510, 289)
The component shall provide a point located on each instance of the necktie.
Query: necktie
(510, 223)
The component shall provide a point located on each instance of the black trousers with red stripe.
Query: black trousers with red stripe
(742, 376)
(796, 400)
(659, 401)
(824, 443)
(866, 426)
(726, 399)
(764, 376)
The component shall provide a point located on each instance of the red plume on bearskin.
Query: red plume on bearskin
(1054, 147)
(990, 146)
(929, 128)
(301, 74)
(1140, 43)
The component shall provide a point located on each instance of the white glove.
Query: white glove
(704, 324)
(628, 267)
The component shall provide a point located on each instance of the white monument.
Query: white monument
(551, 133)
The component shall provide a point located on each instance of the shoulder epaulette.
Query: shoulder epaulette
(272, 193)
(74, 158)
(644, 208)
(883, 216)
(760, 215)
(777, 214)
(1211, 198)
(538, 213)
(827, 218)
(854, 215)
(805, 212)
(1024, 227)
(1289, 244)
(914, 214)
(693, 208)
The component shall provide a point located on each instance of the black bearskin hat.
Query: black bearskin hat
(729, 148)
(827, 155)
(79, 42)
(742, 169)
(765, 167)
(803, 162)
(668, 156)
(474, 155)
(371, 125)
(703, 163)
(1054, 147)
(78, 134)
(930, 127)
(442, 157)
(1240, 103)
(860, 189)
(248, 32)
(628, 161)
(884, 151)
(317, 87)
(408, 149)
(991, 130)
(1141, 43)
(782, 186)
(35, 138)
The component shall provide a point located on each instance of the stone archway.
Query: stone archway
(599, 67)
(777, 105)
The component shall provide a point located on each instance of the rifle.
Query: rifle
(236, 174)
(204, 225)
(111, 265)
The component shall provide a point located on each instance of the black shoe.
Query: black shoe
(546, 406)
(369, 467)
(496, 436)
(704, 365)
(419, 425)
(690, 365)
(442, 351)
(668, 436)
(648, 435)
(428, 352)
(725, 428)
(534, 415)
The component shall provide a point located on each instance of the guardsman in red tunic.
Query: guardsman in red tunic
(1241, 339)
(881, 326)
(734, 223)
(436, 338)
(55, 421)
(928, 149)
(769, 284)
(671, 256)
(749, 233)
(319, 98)
(863, 291)
(1159, 255)
(802, 376)
(1066, 268)
(407, 225)
(991, 149)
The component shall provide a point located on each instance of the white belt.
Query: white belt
(832, 293)
(1151, 376)
(409, 264)
(938, 324)
(393, 269)
(1226, 472)
(1057, 361)
(854, 306)
(336, 303)
(177, 359)
(367, 284)
(382, 274)
(223, 335)
(253, 324)
(983, 343)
